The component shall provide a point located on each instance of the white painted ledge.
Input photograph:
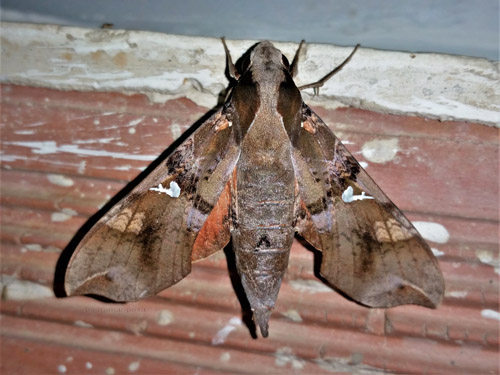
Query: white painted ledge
(170, 66)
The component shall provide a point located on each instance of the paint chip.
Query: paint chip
(88, 365)
(490, 314)
(380, 150)
(81, 323)
(64, 215)
(61, 369)
(348, 195)
(225, 357)
(285, 356)
(309, 286)
(430, 231)
(293, 315)
(134, 366)
(437, 252)
(174, 191)
(221, 335)
(165, 317)
(60, 180)
(110, 371)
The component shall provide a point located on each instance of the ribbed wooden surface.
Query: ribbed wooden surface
(65, 154)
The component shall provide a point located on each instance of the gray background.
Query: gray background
(463, 27)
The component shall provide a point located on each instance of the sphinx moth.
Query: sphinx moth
(261, 169)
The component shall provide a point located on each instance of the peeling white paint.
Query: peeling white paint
(285, 356)
(348, 195)
(437, 252)
(134, 366)
(431, 231)
(457, 293)
(488, 258)
(309, 286)
(165, 317)
(380, 150)
(225, 357)
(363, 164)
(430, 85)
(221, 335)
(81, 323)
(60, 180)
(15, 289)
(293, 315)
(64, 215)
(176, 131)
(81, 167)
(51, 147)
(490, 314)
(131, 131)
(174, 191)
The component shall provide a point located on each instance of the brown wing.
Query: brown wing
(146, 242)
(370, 249)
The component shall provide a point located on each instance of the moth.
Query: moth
(261, 169)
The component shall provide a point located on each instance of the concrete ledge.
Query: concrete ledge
(170, 66)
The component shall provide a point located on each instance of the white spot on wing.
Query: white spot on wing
(348, 195)
(174, 191)
(430, 231)
(221, 335)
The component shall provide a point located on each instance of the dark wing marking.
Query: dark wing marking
(144, 243)
(370, 249)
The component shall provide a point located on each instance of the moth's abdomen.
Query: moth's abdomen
(264, 233)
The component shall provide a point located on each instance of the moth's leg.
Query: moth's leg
(321, 82)
(295, 62)
(230, 66)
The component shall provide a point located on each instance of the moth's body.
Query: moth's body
(259, 170)
(264, 195)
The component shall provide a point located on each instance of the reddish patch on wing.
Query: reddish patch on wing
(214, 235)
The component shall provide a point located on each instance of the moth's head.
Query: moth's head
(265, 56)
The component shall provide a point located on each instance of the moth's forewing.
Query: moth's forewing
(371, 251)
(144, 243)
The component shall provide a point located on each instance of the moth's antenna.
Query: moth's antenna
(322, 81)
(233, 73)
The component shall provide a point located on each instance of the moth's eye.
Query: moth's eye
(285, 62)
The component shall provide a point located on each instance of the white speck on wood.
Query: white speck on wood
(293, 315)
(88, 365)
(457, 293)
(437, 252)
(225, 357)
(60, 180)
(64, 215)
(487, 257)
(81, 323)
(221, 335)
(15, 289)
(430, 231)
(363, 164)
(490, 314)
(110, 371)
(165, 317)
(348, 195)
(380, 150)
(309, 286)
(285, 356)
(176, 131)
(134, 366)
(61, 369)
(174, 191)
